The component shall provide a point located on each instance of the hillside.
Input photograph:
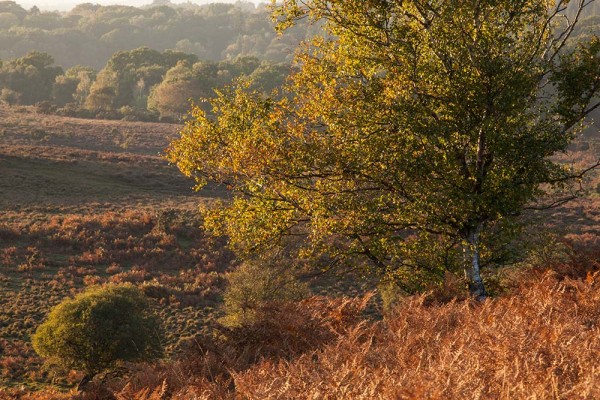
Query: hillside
(51, 161)
(84, 202)
(89, 33)
(406, 207)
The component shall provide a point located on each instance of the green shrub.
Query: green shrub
(391, 295)
(99, 328)
(252, 285)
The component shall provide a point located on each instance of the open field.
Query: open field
(84, 202)
(66, 162)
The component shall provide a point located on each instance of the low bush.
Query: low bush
(99, 328)
(252, 285)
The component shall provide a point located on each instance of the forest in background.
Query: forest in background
(140, 84)
(150, 63)
(138, 63)
(90, 34)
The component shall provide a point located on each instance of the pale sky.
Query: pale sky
(65, 5)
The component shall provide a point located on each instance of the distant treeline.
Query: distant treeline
(147, 63)
(140, 84)
(89, 34)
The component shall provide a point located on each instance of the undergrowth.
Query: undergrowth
(540, 340)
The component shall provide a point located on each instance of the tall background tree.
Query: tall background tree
(73, 86)
(414, 134)
(185, 83)
(30, 77)
(129, 75)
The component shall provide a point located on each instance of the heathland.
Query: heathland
(92, 203)
(87, 202)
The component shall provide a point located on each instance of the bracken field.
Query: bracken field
(86, 202)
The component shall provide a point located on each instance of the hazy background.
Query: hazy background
(65, 5)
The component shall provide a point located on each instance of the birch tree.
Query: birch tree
(412, 131)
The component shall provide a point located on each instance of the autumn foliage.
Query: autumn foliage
(540, 340)
(404, 167)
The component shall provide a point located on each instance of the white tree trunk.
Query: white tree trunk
(473, 264)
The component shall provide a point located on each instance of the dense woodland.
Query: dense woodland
(90, 34)
(146, 63)
(141, 84)
(126, 62)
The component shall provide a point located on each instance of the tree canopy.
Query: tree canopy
(30, 78)
(412, 136)
(140, 84)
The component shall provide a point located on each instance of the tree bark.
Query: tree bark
(473, 265)
(83, 382)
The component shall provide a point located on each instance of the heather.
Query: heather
(123, 215)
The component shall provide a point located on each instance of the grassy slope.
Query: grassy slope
(50, 160)
(84, 202)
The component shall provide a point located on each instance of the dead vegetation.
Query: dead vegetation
(78, 209)
(80, 205)
(541, 341)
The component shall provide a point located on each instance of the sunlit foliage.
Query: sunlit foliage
(98, 328)
(412, 136)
